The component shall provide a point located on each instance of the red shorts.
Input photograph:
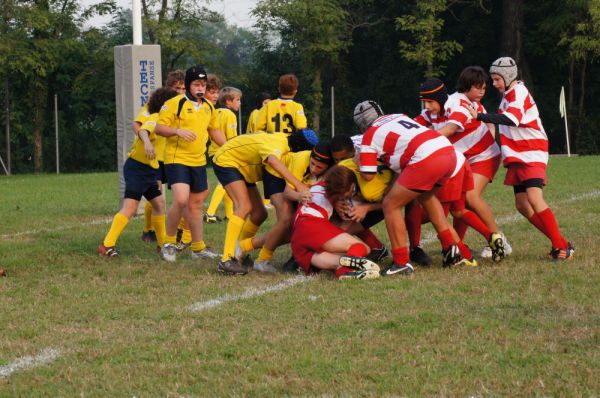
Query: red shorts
(456, 186)
(309, 234)
(487, 168)
(518, 173)
(434, 170)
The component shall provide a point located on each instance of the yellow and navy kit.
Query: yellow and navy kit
(252, 121)
(142, 115)
(195, 117)
(247, 153)
(281, 116)
(298, 164)
(137, 151)
(371, 191)
(228, 124)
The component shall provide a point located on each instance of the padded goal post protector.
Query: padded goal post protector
(137, 75)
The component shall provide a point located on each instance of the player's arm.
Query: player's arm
(292, 195)
(217, 136)
(148, 147)
(135, 126)
(359, 211)
(287, 175)
(167, 131)
(449, 129)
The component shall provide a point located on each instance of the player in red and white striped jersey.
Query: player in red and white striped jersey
(524, 147)
(317, 244)
(472, 138)
(424, 160)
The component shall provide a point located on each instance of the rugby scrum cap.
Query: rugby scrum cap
(505, 67)
(434, 89)
(322, 152)
(365, 114)
(194, 73)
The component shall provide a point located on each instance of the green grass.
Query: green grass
(527, 327)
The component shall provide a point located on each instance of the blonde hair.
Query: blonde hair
(229, 94)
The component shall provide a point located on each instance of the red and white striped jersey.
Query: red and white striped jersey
(431, 120)
(526, 142)
(397, 141)
(473, 138)
(319, 206)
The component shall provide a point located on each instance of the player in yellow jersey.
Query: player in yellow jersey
(140, 172)
(239, 165)
(308, 167)
(175, 81)
(230, 98)
(262, 99)
(283, 115)
(187, 121)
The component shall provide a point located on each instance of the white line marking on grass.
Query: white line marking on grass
(250, 293)
(64, 227)
(28, 362)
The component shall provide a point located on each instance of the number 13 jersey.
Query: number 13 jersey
(281, 115)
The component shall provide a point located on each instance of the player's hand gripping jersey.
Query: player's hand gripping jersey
(194, 117)
(281, 116)
(473, 138)
(249, 152)
(526, 142)
(399, 141)
(319, 206)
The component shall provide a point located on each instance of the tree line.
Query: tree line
(365, 49)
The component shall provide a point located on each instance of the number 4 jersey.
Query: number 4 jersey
(398, 141)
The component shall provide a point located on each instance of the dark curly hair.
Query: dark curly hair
(159, 97)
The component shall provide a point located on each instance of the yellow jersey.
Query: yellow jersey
(195, 117)
(252, 121)
(137, 151)
(228, 124)
(248, 153)
(371, 191)
(142, 115)
(281, 116)
(298, 164)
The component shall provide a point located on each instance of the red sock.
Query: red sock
(446, 239)
(537, 222)
(551, 226)
(465, 251)
(357, 250)
(370, 239)
(460, 227)
(413, 220)
(473, 221)
(400, 255)
(342, 270)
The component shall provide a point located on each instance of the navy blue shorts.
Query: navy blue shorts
(372, 218)
(194, 176)
(272, 184)
(161, 174)
(227, 175)
(140, 179)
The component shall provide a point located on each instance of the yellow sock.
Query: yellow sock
(234, 227)
(246, 245)
(249, 230)
(158, 223)
(215, 200)
(170, 239)
(186, 237)
(198, 246)
(228, 204)
(181, 223)
(148, 217)
(119, 223)
(264, 254)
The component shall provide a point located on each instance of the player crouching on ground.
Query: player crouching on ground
(317, 244)
(140, 173)
(423, 159)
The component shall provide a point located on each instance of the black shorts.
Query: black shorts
(227, 175)
(194, 176)
(272, 185)
(531, 183)
(372, 218)
(140, 179)
(161, 174)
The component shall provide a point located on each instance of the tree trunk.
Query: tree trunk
(511, 42)
(39, 109)
(317, 95)
(582, 88)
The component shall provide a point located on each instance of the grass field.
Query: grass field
(75, 324)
